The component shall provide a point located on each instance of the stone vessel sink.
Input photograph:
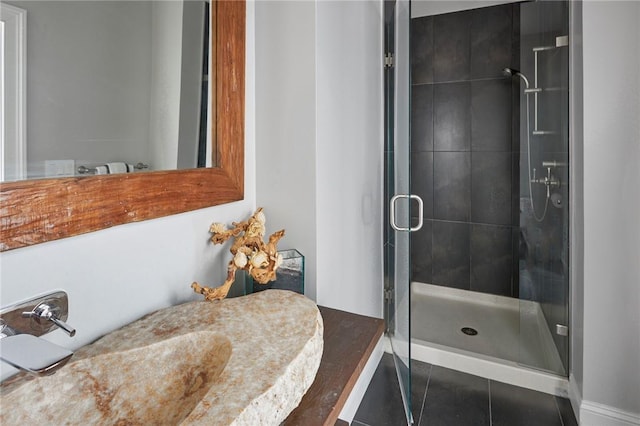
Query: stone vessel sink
(242, 361)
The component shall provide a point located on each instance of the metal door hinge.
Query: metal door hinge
(388, 294)
(388, 60)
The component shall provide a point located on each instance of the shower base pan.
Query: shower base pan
(496, 337)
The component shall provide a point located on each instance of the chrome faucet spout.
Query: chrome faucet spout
(22, 323)
(33, 355)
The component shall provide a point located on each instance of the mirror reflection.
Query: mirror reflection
(98, 87)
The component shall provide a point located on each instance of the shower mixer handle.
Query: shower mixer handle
(550, 181)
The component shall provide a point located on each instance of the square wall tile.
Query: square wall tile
(421, 253)
(491, 115)
(491, 259)
(451, 254)
(452, 117)
(422, 50)
(422, 182)
(515, 265)
(518, 111)
(451, 45)
(515, 36)
(452, 185)
(491, 187)
(515, 188)
(422, 117)
(490, 34)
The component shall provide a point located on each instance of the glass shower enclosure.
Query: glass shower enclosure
(477, 126)
(543, 252)
(398, 198)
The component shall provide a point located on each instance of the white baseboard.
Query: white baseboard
(594, 414)
(575, 396)
(359, 389)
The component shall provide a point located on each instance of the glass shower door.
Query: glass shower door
(544, 190)
(397, 192)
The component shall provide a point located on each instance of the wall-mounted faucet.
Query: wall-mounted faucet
(21, 325)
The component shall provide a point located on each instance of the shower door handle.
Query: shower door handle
(392, 212)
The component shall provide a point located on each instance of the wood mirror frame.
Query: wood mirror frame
(36, 211)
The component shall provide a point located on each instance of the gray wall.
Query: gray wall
(611, 349)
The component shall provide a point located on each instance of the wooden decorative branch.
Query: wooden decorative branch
(250, 253)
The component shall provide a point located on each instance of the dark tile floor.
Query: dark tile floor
(446, 397)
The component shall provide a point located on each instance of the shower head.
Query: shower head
(510, 72)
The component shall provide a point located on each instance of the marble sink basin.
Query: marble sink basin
(242, 361)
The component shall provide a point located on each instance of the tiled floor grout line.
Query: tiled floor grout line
(555, 400)
(424, 399)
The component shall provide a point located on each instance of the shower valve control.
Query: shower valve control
(550, 181)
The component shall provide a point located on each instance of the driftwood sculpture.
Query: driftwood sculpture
(250, 253)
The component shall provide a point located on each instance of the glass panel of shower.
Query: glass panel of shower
(489, 157)
(397, 265)
(544, 186)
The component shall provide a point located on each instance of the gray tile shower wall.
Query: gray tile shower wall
(465, 158)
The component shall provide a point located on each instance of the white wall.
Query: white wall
(286, 125)
(116, 275)
(319, 143)
(611, 388)
(349, 155)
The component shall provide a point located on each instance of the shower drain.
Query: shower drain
(469, 331)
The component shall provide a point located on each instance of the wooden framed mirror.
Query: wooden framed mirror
(36, 211)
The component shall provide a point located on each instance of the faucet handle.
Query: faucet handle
(44, 312)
